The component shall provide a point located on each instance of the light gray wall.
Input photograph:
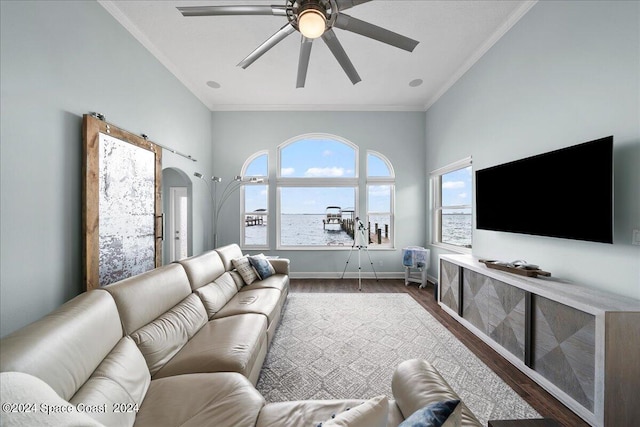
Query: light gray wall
(397, 135)
(566, 73)
(59, 60)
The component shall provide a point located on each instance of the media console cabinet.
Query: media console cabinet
(580, 344)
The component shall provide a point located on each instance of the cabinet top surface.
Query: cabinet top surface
(590, 300)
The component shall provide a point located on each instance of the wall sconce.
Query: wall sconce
(218, 202)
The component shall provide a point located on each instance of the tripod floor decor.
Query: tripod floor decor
(360, 242)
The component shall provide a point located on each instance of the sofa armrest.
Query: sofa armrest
(281, 265)
(416, 384)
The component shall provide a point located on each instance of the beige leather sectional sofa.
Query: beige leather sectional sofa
(181, 345)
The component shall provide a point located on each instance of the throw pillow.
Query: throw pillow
(243, 266)
(372, 413)
(438, 414)
(262, 265)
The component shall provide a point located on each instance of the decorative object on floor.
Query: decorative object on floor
(415, 257)
(337, 346)
(360, 241)
(517, 267)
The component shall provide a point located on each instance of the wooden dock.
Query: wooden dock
(253, 220)
(377, 234)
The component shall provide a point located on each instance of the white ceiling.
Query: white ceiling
(453, 35)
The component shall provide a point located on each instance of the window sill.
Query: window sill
(452, 248)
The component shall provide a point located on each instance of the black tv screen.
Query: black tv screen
(566, 193)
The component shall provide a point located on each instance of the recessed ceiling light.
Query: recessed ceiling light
(213, 85)
(415, 83)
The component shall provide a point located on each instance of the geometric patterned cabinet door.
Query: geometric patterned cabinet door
(496, 308)
(450, 285)
(581, 344)
(564, 348)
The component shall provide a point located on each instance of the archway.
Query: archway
(177, 206)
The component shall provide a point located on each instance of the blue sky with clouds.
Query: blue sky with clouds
(456, 187)
(317, 158)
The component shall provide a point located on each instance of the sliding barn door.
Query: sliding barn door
(122, 210)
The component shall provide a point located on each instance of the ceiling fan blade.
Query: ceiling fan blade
(264, 47)
(232, 10)
(334, 45)
(303, 62)
(346, 4)
(349, 23)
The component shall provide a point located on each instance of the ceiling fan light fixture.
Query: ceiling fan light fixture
(312, 23)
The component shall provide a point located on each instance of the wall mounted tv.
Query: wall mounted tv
(566, 193)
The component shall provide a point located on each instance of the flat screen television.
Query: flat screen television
(566, 193)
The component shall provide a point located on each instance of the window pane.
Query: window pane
(255, 198)
(379, 229)
(318, 158)
(456, 188)
(376, 166)
(255, 230)
(456, 227)
(304, 214)
(379, 198)
(258, 167)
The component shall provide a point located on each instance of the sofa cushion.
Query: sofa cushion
(143, 298)
(416, 384)
(260, 301)
(65, 347)
(262, 266)
(201, 400)
(246, 270)
(203, 269)
(215, 295)
(122, 378)
(162, 338)
(228, 253)
(438, 414)
(372, 413)
(309, 413)
(231, 344)
(21, 388)
(277, 281)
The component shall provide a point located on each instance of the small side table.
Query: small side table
(537, 422)
(420, 277)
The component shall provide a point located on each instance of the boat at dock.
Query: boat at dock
(333, 215)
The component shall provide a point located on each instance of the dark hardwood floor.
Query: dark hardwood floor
(543, 402)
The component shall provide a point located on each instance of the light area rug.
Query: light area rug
(346, 346)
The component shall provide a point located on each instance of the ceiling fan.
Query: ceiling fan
(313, 19)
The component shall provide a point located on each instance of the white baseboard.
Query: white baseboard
(353, 275)
(347, 275)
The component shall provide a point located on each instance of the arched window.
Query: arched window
(318, 196)
(380, 199)
(317, 191)
(255, 202)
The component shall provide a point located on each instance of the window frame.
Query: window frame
(437, 207)
(243, 211)
(319, 182)
(377, 180)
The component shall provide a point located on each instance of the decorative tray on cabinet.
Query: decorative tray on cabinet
(522, 270)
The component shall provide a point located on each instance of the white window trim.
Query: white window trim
(285, 181)
(243, 212)
(436, 205)
(298, 138)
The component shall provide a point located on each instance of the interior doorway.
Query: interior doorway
(178, 229)
(178, 212)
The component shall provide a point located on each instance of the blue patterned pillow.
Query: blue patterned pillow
(262, 266)
(434, 415)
